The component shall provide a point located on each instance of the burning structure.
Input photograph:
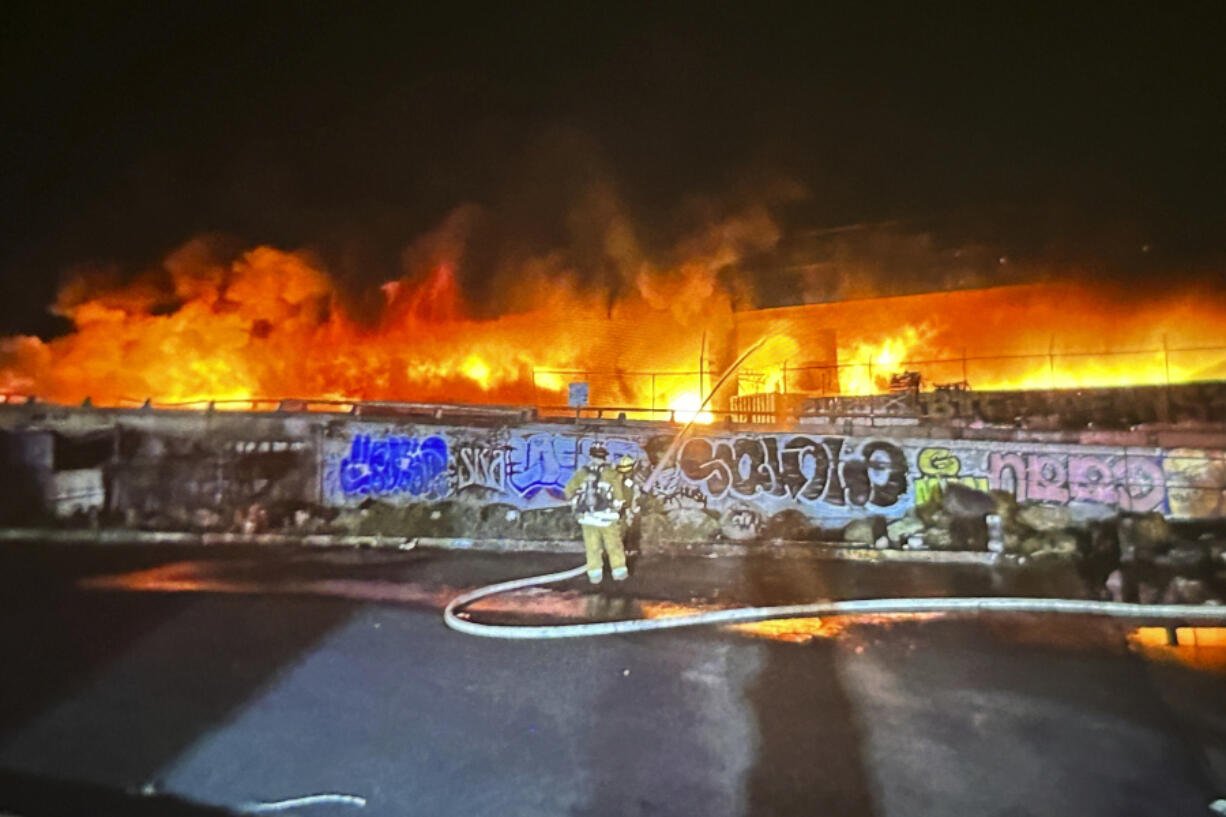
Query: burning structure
(272, 325)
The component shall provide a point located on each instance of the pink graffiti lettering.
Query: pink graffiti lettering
(1007, 473)
(1133, 483)
(1145, 484)
(1092, 479)
(1046, 478)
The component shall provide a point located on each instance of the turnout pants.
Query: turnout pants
(598, 540)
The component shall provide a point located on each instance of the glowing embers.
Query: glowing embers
(871, 364)
(790, 630)
(1202, 648)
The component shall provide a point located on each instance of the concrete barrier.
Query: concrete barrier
(500, 478)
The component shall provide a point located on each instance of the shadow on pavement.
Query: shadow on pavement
(54, 640)
(35, 796)
(810, 758)
(719, 723)
(113, 687)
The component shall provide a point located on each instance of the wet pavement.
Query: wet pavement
(183, 680)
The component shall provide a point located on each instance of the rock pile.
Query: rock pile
(1138, 557)
(1158, 562)
(962, 518)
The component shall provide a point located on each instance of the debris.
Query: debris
(996, 532)
(961, 501)
(1143, 536)
(1044, 517)
(932, 514)
(1148, 593)
(1185, 591)
(864, 532)
(903, 528)
(938, 539)
(968, 533)
(1186, 558)
(1052, 544)
(1006, 504)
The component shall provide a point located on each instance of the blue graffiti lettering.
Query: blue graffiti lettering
(394, 465)
(545, 462)
(541, 462)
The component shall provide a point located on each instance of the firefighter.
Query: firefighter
(630, 491)
(597, 498)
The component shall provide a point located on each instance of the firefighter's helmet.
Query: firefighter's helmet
(625, 463)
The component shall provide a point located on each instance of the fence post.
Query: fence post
(872, 409)
(1051, 362)
(1166, 378)
(702, 357)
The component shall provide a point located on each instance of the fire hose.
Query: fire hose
(989, 604)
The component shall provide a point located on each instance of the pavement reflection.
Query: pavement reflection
(1199, 648)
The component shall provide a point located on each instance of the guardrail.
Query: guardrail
(1202, 403)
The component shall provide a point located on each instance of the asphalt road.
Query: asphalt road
(176, 681)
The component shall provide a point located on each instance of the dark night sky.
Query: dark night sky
(1043, 135)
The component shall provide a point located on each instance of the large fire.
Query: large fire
(1040, 336)
(273, 325)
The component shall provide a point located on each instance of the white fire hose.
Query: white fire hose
(990, 604)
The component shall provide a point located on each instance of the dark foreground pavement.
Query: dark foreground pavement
(219, 680)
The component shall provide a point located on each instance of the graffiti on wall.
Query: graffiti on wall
(741, 522)
(1195, 482)
(477, 465)
(830, 470)
(395, 465)
(672, 491)
(543, 462)
(939, 467)
(821, 476)
(1129, 482)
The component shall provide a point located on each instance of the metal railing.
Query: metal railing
(991, 371)
(1046, 369)
(1165, 366)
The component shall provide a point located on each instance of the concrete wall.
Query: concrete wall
(320, 472)
(1117, 408)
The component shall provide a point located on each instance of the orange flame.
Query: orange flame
(1037, 336)
(274, 324)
